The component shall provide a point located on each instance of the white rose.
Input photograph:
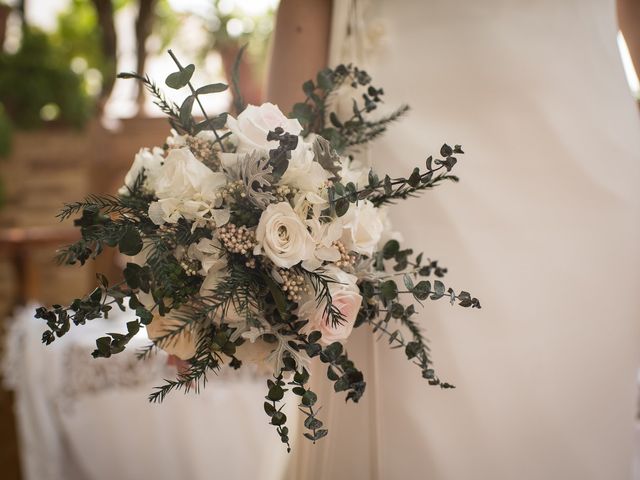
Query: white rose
(283, 237)
(363, 228)
(345, 296)
(186, 188)
(145, 160)
(183, 176)
(254, 123)
(303, 172)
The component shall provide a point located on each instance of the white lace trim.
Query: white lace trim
(83, 375)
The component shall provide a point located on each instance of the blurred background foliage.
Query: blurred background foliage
(60, 72)
(38, 84)
(66, 75)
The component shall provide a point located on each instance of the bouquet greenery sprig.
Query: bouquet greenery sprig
(258, 239)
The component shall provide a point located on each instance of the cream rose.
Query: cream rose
(184, 176)
(363, 228)
(254, 123)
(283, 237)
(345, 296)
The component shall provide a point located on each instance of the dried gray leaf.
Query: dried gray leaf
(256, 174)
(326, 156)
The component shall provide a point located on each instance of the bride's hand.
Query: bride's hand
(181, 365)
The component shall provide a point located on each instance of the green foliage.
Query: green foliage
(343, 372)
(320, 283)
(181, 118)
(181, 78)
(106, 221)
(308, 400)
(212, 88)
(170, 109)
(206, 359)
(278, 418)
(279, 156)
(97, 304)
(343, 133)
(238, 100)
(388, 191)
(385, 302)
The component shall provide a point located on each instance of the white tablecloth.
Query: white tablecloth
(89, 419)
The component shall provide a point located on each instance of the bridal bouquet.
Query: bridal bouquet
(259, 239)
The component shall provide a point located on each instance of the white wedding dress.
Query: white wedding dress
(544, 228)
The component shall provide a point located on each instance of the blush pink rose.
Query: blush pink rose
(345, 296)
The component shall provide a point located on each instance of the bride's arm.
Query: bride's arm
(629, 21)
(299, 50)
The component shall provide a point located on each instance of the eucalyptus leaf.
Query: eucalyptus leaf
(302, 111)
(216, 123)
(276, 393)
(185, 110)
(212, 88)
(388, 290)
(308, 87)
(269, 409)
(309, 398)
(314, 336)
(181, 78)
(342, 206)
(131, 243)
(324, 79)
(422, 290)
(446, 150)
(390, 249)
(278, 418)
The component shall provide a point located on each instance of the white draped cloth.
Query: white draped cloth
(544, 228)
(81, 418)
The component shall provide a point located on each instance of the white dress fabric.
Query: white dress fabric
(544, 228)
